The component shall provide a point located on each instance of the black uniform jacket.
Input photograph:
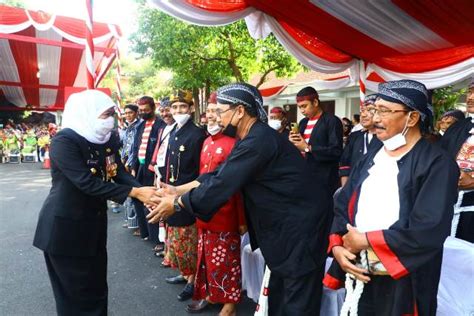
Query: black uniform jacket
(182, 163)
(73, 221)
(326, 149)
(354, 151)
(152, 141)
(285, 218)
(411, 249)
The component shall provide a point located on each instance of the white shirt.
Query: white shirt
(379, 202)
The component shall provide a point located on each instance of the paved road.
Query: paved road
(136, 282)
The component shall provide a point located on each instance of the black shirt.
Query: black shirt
(284, 215)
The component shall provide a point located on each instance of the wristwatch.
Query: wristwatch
(177, 207)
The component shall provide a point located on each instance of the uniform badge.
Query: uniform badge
(93, 170)
(181, 148)
(108, 150)
(219, 150)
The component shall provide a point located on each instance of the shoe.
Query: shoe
(160, 254)
(176, 279)
(187, 292)
(165, 264)
(159, 248)
(197, 307)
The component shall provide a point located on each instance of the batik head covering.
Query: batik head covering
(244, 94)
(82, 111)
(411, 93)
(457, 114)
(370, 99)
(181, 96)
(165, 102)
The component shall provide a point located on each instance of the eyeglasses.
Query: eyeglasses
(383, 112)
(219, 111)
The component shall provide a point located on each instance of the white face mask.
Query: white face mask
(181, 119)
(275, 124)
(213, 129)
(397, 140)
(103, 127)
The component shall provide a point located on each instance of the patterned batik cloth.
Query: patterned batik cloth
(182, 248)
(219, 274)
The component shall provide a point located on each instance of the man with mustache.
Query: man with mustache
(360, 141)
(394, 213)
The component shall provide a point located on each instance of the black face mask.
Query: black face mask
(230, 130)
(146, 116)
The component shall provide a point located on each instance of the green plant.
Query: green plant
(445, 99)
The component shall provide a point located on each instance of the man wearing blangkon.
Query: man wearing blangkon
(284, 218)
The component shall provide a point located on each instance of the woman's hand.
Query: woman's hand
(144, 194)
(344, 258)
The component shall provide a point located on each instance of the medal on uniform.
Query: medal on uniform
(110, 167)
(181, 148)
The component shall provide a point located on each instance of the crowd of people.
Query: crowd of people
(380, 195)
(18, 142)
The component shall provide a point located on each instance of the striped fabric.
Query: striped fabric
(144, 143)
(309, 128)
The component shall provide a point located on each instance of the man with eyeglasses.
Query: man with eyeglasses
(394, 213)
(360, 141)
(285, 219)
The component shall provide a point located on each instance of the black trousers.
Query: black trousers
(146, 178)
(293, 297)
(79, 284)
(465, 229)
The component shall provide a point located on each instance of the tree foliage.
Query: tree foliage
(208, 57)
(445, 99)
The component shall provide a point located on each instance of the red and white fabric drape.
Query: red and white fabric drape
(41, 54)
(428, 41)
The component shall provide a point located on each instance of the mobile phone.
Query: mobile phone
(294, 127)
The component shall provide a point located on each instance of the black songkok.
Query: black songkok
(245, 94)
(411, 93)
(370, 99)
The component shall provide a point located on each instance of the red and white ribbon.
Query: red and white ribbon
(90, 47)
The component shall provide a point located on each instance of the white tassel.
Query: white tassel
(353, 294)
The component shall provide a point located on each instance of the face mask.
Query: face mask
(398, 140)
(275, 124)
(146, 116)
(230, 130)
(102, 127)
(181, 119)
(213, 129)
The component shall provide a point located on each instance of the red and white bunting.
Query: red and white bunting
(90, 46)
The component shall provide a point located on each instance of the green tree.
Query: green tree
(445, 99)
(208, 57)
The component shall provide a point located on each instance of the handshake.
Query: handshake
(160, 202)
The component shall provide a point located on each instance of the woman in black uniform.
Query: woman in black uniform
(72, 225)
